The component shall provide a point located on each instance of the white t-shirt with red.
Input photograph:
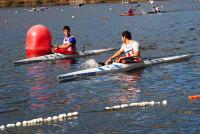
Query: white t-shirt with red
(130, 48)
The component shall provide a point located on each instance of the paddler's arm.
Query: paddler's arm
(64, 45)
(54, 48)
(72, 41)
(117, 54)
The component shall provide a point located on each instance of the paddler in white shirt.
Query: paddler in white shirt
(130, 48)
(156, 9)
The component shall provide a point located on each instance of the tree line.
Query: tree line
(15, 3)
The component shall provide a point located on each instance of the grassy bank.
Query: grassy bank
(21, 3)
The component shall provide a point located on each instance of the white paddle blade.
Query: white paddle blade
(151, 1)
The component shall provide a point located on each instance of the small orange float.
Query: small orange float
(194, 97)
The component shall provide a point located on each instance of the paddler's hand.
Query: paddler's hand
(108, 61)
(119, 60)
(53, 49)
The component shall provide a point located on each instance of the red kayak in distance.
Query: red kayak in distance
(126, 14)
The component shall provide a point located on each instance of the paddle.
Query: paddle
(151, 1)
(137, 6)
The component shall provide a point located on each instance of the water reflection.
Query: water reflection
(129, 89)
(65, 64)
(40, 83)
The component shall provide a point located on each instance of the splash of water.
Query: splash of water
(89, 64)
(143, 12)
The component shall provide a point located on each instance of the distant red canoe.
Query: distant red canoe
(134, 14)
(126, 14)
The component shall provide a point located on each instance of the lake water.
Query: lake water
(32, 91)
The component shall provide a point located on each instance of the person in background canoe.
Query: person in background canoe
(130, 48)
(156, 9)
(34, 9)
(69, 43)
(42, 8)
(131, 11)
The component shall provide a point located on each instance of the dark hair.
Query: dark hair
(66, 28)
(127, 34)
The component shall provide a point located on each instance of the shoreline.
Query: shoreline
(34, 3)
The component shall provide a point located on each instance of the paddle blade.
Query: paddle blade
(151, 1)
(137, 6)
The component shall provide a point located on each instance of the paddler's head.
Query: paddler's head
(66, 31)
(126, 36)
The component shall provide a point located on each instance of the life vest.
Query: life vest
(130, 12)
(70, 50)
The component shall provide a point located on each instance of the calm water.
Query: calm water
(32, 91)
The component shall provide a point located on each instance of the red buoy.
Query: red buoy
(38, 41)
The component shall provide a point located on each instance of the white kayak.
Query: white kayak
(31, 10)
(117, 67)
(57, 56)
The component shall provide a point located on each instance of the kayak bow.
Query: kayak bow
(116, 67)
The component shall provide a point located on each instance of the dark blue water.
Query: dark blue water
(32, 91)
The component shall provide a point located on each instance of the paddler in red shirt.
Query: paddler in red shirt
(131, 11)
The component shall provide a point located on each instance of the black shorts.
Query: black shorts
(130, 60)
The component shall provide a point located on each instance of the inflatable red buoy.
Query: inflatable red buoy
(38, 41)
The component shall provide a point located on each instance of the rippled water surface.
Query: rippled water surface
(32, 91)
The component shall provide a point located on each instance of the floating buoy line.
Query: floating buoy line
(140, 104)
(40, 121)
(73, 115)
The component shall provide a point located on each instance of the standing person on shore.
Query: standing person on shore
(130, 48)
(69, 43)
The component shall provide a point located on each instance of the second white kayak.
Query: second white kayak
(57, 56)
(117, 67)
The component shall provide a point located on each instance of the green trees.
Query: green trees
(39, 2)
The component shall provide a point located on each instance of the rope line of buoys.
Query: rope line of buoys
(140, 104)
(40, 121)
(73, 115)
(194, 97)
